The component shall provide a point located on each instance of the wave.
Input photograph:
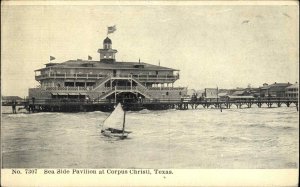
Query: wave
(98, 112)
(232, 139)
(235, 139)
(271, 127)
(46, 113)
(20, 115)
(144, 111)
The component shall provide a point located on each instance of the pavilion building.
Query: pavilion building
(106, 79)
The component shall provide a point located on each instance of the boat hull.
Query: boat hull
(108, 133)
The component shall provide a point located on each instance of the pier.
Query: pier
(83, 105)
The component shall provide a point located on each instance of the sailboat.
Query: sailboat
(114, 124)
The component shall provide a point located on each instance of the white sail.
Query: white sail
(115, 119)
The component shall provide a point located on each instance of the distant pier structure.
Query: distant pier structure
(78, 105)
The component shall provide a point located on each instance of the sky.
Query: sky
(225, 46)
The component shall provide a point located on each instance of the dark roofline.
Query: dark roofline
(152, 67)
(123, 68)
(11, 98)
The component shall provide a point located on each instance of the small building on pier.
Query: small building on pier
(105, 79)
(292, 91)
(274, 90)
(10, 99)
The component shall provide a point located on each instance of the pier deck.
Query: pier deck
(75, 105)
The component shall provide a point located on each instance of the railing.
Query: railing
(125, 88)
(144, 101)
(68, 88)
(144, 91)
(167, 88)
(71, 76)
(101, 83)
(101, 76)
(105, 94)
(156, 77)
(138, 82)
(257, 99)
(110, 90)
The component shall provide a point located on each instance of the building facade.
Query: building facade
(274, 90)
(106, 79)
(292, 91)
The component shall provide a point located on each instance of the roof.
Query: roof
(11, 98)
(107, 41)
(239, 92)
(240, 97)
(222, 94)
(296, 85)
(278, 86)
(104, 65)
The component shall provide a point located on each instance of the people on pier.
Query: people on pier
(14, 103)
(32, 107)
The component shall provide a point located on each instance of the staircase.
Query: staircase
(138, 82)
(107, 93)
(138, 88)
(141, 88)
(100, 85)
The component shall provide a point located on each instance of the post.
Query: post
(115, 94)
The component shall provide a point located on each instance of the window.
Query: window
(69, 84)
(179, 93)
(167, 93)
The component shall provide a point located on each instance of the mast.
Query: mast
(116, 95)
(124, 122)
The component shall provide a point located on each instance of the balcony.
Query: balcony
(79, 89)
(69, 76)
(142, 78)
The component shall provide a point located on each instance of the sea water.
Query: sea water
(200, 138)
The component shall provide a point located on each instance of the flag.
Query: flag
(90, 58)
(111, 29)
(52, 58)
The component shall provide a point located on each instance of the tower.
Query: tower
(107, 54)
